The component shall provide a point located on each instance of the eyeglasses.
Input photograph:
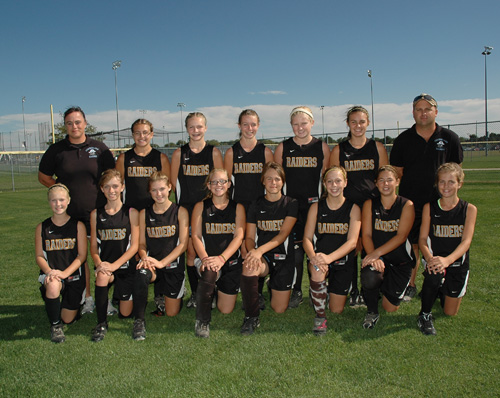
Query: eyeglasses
(426, 97)
(218, 182)
(141, 133)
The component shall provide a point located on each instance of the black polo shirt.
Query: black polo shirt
(79, 167)
(420, 160)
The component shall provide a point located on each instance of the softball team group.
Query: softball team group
(247, 219)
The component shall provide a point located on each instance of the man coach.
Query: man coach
(417, 153)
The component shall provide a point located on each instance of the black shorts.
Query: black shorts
(395, 282)
(71, 292)
(230, 276)
(340, 276)
(124, 283)
(282, 273)
(454, 283)
(170, 283)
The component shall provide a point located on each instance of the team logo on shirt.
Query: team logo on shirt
(440, 144)
(359, 165)
(302, 161)
(140, 171)
(448, 231)
(112, 234)
(333, 228)
(92, 152)
(247, 168)
(60, 244)
(386, 226)
(212, 228)
(192, 170)
(269, 225)
(161, 232)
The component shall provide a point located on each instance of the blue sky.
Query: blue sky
(219, 57)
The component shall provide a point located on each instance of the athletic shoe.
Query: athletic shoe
(99, 332)
(192, 301)
(425, 324)
(139, 330)
(411, 291)
(57, 333)
(360, 301)
(88, 306)
(202, 329)
(295, 299)
(249, 325)
(370, 320)
(353, 299)
(111, 309)
(320, 326)
(160, 306)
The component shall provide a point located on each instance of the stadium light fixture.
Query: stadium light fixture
(181, 105)
(116, 65)
(486, 52)
(373, 113)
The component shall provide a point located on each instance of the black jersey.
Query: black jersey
(420, 160)
(268, 217)
(218, 227)
(60, 245)
(332, 228)
(247, 168)
(385, 224)
(303, 165)
(361, 165)
(79, 167)
(445, 232)
(193, 170)
(162, 234)
(113, 234)
(138, 169)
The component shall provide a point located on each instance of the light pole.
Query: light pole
(322, 119)
(23, 98)
(115, 67)
(181, 105)
(373, 114)
(486, 52)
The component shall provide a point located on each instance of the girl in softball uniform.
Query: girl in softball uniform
(164, 232)
(361, 157)
(190, 166)
(114, 240)
(218, 225)
(270, 220)
(61, 250)
(445, 237)
(330, 237)
(389, 260)
(304, 159)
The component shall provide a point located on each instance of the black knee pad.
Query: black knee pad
(370, 279)
(142, 279)
(209, 276)
(433, 281)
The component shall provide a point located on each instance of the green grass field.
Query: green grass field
(282, 359)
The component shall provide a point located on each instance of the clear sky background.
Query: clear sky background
(221, 56)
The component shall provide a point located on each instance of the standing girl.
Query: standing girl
(386, 268)
(164, 232)
(304, 159)
(61, 250)
(137, 165)
(244, 162)
(445, 237)
(361, 157)
(190, 166)
(270, 220)
(330, 237)
(114, 241)
(217, 225)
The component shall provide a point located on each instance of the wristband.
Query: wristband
(224, 258)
